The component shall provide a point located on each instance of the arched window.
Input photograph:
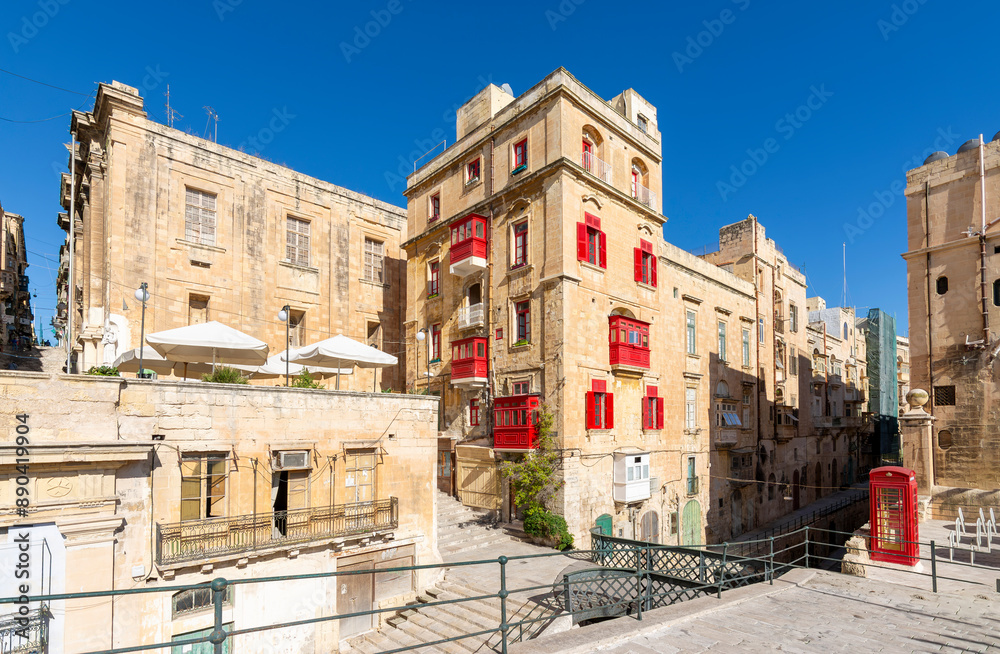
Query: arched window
(845, 331)
(722, 388)
(942, 285)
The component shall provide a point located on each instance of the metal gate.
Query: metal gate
(355, 593)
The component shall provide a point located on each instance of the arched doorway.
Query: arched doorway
(649, 527)
(736, 506)
(691, 523)
(795, 490)
(604, 524)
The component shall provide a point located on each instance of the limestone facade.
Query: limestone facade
(17, 318)
(953, 283)
(903, 366)
(221, 235)
(171, 483)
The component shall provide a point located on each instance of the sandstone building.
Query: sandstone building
(953, 283)
(168, 483)
(538, 274)
(14, 293)
(220, 235)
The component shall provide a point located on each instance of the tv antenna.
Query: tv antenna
(212, 116)
(171, 113)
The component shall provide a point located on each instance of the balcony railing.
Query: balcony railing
(726, 439)
(197, 540)
(596, 167)
(692, 485)
(644, 195)
(470, 316)
(26, 632)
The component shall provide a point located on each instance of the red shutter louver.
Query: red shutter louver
(609, 411)
(581, 241)
(603, 242)
(652, 271)
(590, 410)
(638, 264)
(659, 413)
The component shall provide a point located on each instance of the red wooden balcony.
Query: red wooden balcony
(468, 246)
(515, 423)
(469, 365)
(628, 339)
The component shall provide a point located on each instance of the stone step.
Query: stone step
(428, 629)
(468, 546)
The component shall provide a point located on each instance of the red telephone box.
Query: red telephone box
(893, 505)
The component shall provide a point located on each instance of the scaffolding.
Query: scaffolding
(883, 391)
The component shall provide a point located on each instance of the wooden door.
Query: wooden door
(691, 523)
(604, 524)
(355, 593)
(649, 527)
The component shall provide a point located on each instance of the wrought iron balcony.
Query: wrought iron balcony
(644, 195)
(596, 167)
(471, 316)
(725, 439)
(197, 540)
(26, 632)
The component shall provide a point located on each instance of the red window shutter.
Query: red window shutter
(590, 410)
(652, 271)
(609, 411)
(652, 391)
(638, 264)
(581, 241)
(599, 385)
(659, 413)
(593, 221)
(603, 242)
(646, 413)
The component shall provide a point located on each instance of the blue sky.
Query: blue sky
(850, 94)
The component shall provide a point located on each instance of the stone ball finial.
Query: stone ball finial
(917, 398)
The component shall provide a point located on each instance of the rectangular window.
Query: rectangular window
(645, 263)
(642, 123)
(297, 241)
(600, 409)
(692, 477)
(197, 309)
(591, 242)
(692, 347)
(436, 342)
(746, 348)
(523, 310)
(374, 255)
(360, 478)
(521, 387)
(520, 154)
(690, 408)
(793, 362)
(793, 316)
(521, 243)
(722, 342)
(432, 286)
(760, 329)
(199, 216)
(435, 208)
(472, 171)
(652, 410)
(474, 413)
(203, 486)
(297, 328)
(944, 396)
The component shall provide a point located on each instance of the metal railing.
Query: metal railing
(26, 633)
(196, 540)
(596, 167)
(470, 316)
(644, 195)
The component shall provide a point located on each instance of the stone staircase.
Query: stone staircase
(461, 532)
(36, 359)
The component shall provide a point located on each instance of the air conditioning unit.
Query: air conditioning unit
(298, 460)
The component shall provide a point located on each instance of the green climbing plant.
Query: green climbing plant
(103, 371)
(225, 375)
(306, 380)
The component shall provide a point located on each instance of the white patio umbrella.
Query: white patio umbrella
(275, 367)
(209, 342)
(341, 351)
(152, 360)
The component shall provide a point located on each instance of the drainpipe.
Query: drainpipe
(70, 306)
(982, 241)
(927, 275)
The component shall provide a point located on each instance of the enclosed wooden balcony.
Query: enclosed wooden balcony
(469, 365)
(628, 341)
(469, 249)
(515, 423)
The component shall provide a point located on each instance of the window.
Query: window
(436, 342)
(591, 245)
(793, 362)
(652, 409)
(845, 331)
(600, 407)
(297, 241)
(588, 154)
(645, 263)
(996, 293)
(432, 285)
(643, 123)
(690, 408)
(722, 341)
(199, 217)
(197, 309)
(520, 155)
(793, 316)
(746, 348)
(435, 208)
(760, 329)
(521, 243)
(521, 387)
(692, 477)
(297, 328)
(474, 413)
(374, 255)
(725, 415)
(360, 478)
(942, 285)
(203, 486)
(692, 347)
(944, 396)
(197, 599)
(472, 171)
(523, 310)
(945, 440)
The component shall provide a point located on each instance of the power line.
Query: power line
(43, 120)
(51, 86)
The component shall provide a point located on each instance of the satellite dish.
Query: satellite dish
(506, 89)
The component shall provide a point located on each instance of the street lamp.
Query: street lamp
(421, 335)
(283, 317)
(142, 295)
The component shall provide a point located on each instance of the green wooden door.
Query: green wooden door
(201, 648)
(604, 524)
(691, 523)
